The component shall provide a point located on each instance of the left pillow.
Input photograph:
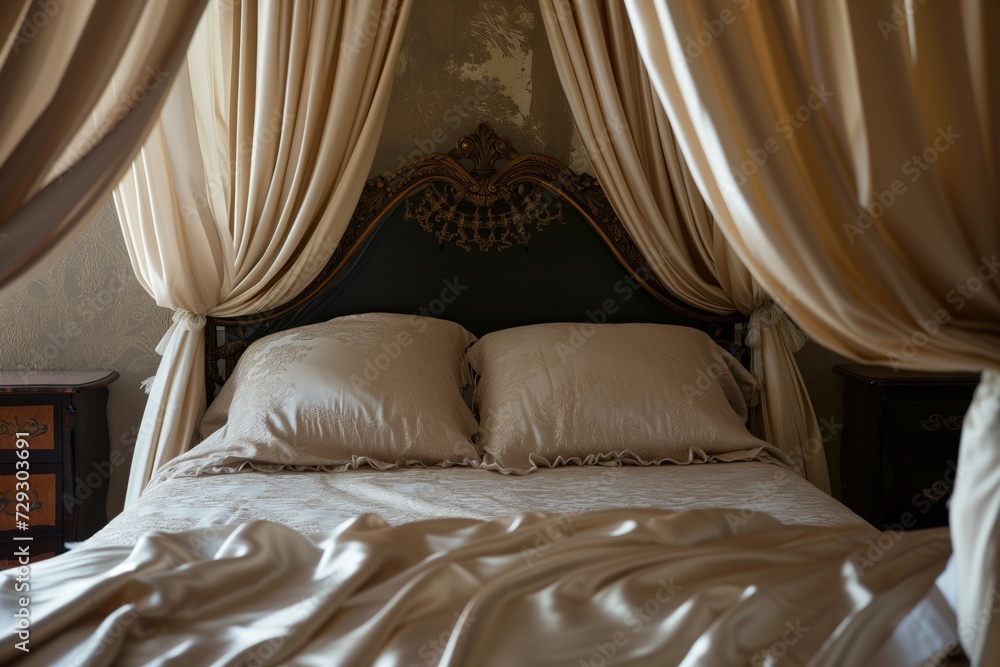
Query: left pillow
(376, 389)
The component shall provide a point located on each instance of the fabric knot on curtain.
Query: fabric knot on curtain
(769, 314)
(183, 319)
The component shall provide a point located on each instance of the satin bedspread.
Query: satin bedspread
(646, 587)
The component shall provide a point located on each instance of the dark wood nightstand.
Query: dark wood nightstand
(64, 414)
(899, 449)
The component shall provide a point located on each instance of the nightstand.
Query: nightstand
(899, 449)
(54, 448)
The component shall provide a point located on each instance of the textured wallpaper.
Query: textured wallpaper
(88, 311)
(464, 61)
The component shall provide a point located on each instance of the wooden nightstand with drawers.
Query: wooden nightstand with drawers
(899, 448)
(54, 460)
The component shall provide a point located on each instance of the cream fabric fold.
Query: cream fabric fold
(644, 587)
(850, 151)
(82, 84)
(633, 151)
(248, 180)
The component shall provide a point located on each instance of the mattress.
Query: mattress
(314, 502)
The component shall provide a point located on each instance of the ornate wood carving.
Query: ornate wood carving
(481, 193)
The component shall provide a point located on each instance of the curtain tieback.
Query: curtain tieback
(769, 314)
(183, 319)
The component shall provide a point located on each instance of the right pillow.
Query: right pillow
(611, 394)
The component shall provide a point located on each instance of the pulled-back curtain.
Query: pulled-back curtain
(850, 150)
(82, 84)
(247, 183)
(635, 156)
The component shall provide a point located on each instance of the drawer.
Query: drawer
(923, 486)
(923, 428)
(43, 511)
(38, 421)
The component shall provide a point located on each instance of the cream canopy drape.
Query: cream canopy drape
(851, 150)
(632, 149)
(272, 128)
(82, 84)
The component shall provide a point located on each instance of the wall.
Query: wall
(88, 311)
(464, 61)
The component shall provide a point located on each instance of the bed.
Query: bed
(494, 328)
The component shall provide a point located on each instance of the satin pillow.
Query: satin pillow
(376, 389)
(553, 394)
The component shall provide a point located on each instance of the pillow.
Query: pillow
(376, 389)
(552, 394)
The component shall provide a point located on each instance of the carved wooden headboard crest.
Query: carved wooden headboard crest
(481, 196)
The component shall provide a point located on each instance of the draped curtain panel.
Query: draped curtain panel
(850, 151)
(82, 84)
(637, 160)
(246, 184)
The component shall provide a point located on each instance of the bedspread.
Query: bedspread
(313, 502)
(645, 587)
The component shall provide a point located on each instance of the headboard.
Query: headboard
(486, 237)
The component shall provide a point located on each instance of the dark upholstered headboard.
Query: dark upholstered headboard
(483, 236)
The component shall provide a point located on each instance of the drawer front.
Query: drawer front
(923, 487)
(42, 498)
(929, 428)
(38, 421)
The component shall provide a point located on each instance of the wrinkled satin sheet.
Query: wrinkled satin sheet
(646, 587)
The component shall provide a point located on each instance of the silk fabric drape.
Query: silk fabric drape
(632, 148)
(851, 151)
(629, 587)
(82, 84)
(248, 181)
